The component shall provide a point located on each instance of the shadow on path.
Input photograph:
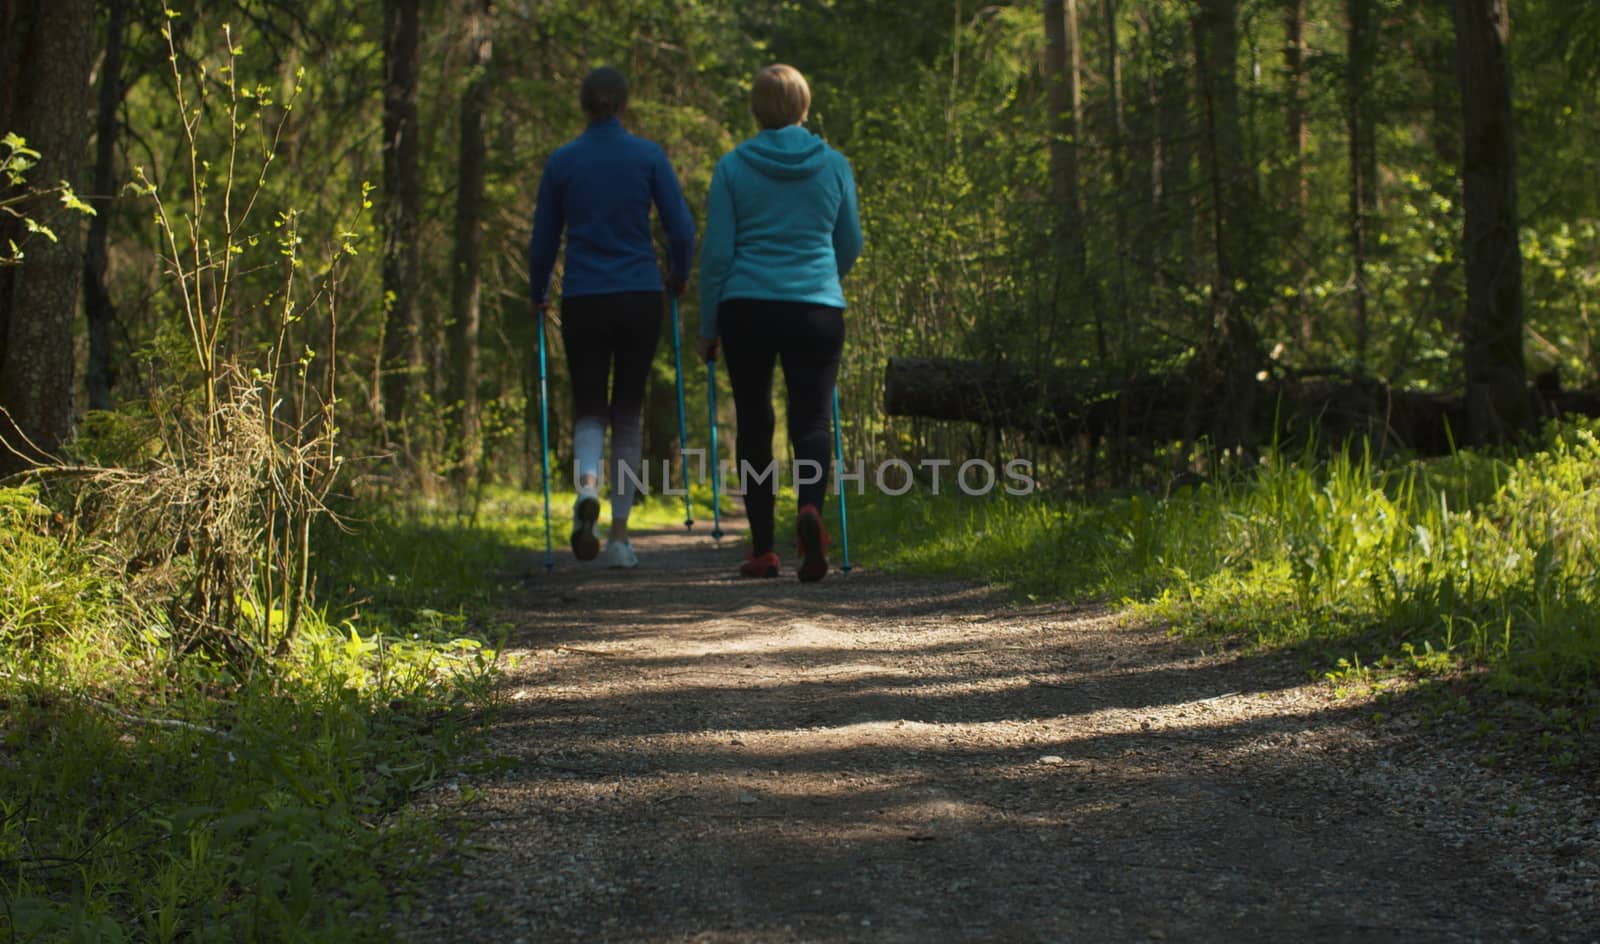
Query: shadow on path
(686, 756)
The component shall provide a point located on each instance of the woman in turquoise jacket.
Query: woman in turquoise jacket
(781, 231)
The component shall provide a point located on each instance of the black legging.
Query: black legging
(597, 328)
(808, 340)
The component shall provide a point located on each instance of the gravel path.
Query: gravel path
(684, 756)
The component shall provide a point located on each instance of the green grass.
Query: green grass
(1470, 561)
(148, 797)
(436, 558)
(144, 797)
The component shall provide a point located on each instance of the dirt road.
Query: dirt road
(686, 756)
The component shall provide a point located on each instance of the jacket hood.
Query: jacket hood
(785, 153)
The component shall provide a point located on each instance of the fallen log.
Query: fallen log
(1061, 406)
(949, 389)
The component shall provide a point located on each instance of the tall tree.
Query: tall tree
(1216, 38)
(402, 213)
(44, 96)
(1119, 164)
(1498, 404)
(1062, 67)
(1446, 298)
(1359, 123)
(467, 279)
(1298, 190)
(1166, 234)
(1294, 67)
(1232, 349)
(101, 314)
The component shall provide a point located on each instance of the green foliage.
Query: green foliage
(200, 496)
(51, 599)
(410, 556)
(142, 799)
(20, 202)
(941, 108)
(1473, 559)
(192, 749)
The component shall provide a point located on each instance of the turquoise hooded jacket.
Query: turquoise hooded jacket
(781, 224)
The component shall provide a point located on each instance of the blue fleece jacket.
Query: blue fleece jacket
(599, 188)
(781, 224)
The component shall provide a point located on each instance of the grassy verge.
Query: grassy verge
(1468, 562)
(149, 797)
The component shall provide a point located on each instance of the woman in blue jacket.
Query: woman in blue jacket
(599, 189)
(781, 231)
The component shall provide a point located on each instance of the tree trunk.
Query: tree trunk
(1119, 187)
(1497, 404)
(402, 212)
(1119, 162)
(101, 375)
(1063, 406)
(1232, 347)
(466, 284)
(1169, 237)
(1359, 123)
(1158, 132)
(1217, 53)
(47, 51)
(1062, 66)
(1446, 304)
(1298, 191)
(1154, 151)
(1294, 62)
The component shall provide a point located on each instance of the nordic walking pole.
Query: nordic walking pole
(544, 444)
(838, 452)
(683, 425)
(716, 464)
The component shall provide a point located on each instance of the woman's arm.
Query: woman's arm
(675, 219)
(548, 221)
(847, 239)
(716, 254)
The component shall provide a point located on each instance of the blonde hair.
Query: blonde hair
(780, 97)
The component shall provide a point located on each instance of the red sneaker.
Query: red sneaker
(813, 539)
(760, 565)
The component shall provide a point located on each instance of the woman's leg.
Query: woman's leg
(635, 334)
(813, 340)
(749, 351)
(588, 368)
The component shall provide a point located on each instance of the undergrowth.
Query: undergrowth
(207, 733)
(1469, 562)
(148, 798)
(146, 795)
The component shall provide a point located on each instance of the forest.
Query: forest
(1288, 303)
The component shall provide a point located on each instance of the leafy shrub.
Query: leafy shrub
(1485, 560)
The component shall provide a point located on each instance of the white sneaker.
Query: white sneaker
(619, 555)
(585, 518)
